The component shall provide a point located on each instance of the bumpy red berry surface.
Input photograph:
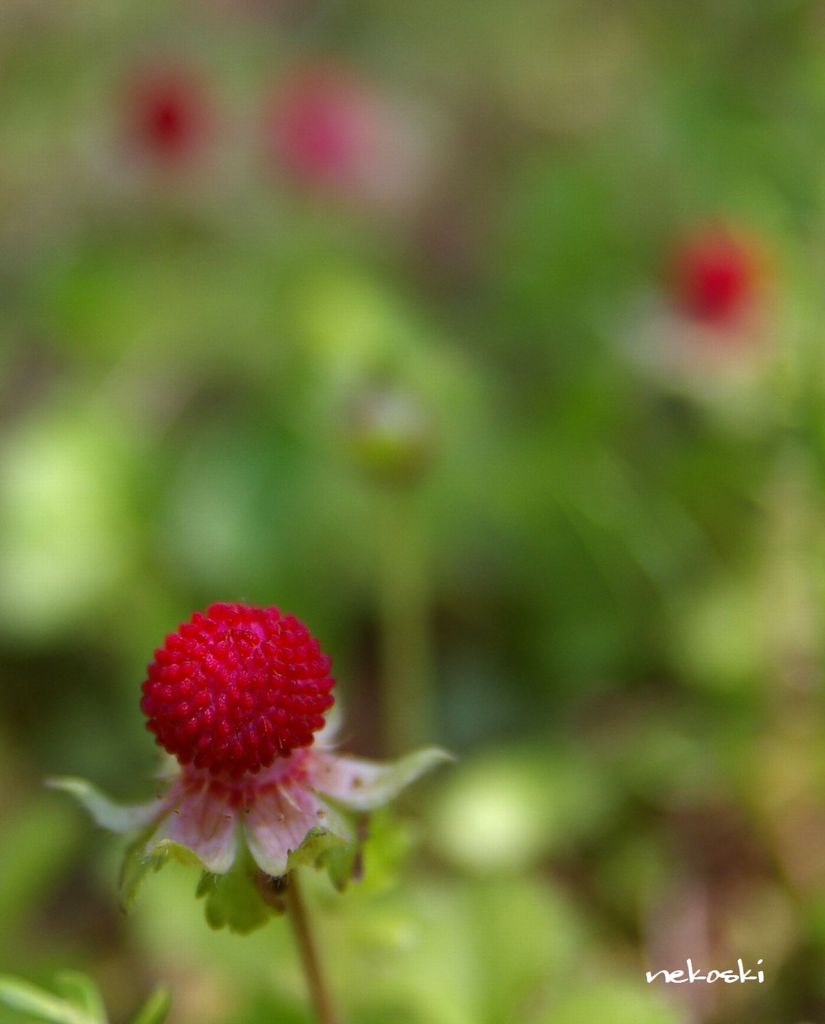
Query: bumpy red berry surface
(236, 687)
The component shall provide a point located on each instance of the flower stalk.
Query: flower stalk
(308, 949)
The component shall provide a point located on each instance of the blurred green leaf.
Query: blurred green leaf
(553, 934)
(36, 840)
(620, 1002)
(504, 810)
(68, 523)
(156, 1008)
(82, 992)
(389, 840)
(25, 998)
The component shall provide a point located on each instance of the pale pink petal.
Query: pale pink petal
(278, 822)
(204, 824)
(362, 785)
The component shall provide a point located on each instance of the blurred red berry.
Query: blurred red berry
(236, 687)
(168, 115)
(716, 277)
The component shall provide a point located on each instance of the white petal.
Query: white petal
(326, 737)
(204, 824)
(278, 822)
(107, 813)
(363, 785)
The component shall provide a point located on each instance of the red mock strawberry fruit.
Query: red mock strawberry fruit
(236, 687)
(168, 115)
(716, 277)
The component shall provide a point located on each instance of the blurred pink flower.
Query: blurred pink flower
(332, 131)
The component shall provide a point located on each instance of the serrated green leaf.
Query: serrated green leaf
(26, 998)
(156, 1008)
(82, 992)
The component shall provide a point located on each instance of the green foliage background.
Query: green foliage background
(603, 585)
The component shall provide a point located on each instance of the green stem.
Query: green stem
(405, 667)
(310, 961)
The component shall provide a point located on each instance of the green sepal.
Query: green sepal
(341, 862)
(167, 849)
(342, 859)
(135, 868)
(317, 842)
(238, 900)
(328, 851)
(156, 1008)
(138, 864)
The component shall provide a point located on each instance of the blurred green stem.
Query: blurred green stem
(405, 666)
(318, 990)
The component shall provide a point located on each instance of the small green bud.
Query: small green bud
(390, 434)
